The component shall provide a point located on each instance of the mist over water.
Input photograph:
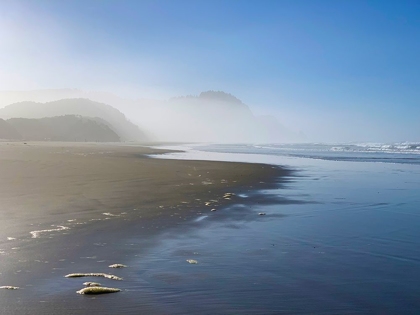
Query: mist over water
(212, 116)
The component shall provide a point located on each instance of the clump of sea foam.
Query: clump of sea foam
(36, 234)
(104, 275)
(98, 290)
(9, 287)
(117, 266)
(91, 284)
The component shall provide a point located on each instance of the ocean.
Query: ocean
(343, 238)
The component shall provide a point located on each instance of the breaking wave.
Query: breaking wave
(402, 152)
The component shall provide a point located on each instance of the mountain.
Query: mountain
(62, 128)
(212, 116)
(211, 96)
(116, 120)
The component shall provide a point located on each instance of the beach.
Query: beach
(68, 208)
(292, 231)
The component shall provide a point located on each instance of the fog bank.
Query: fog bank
(212, 116)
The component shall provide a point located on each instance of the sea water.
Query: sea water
(344, 240)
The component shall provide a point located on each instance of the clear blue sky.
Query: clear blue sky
(337, 70)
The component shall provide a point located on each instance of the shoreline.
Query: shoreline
(138, 200)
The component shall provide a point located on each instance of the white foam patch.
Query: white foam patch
(9, 287)
(110, 214)
(98, 290)
(36, 234)
(91, 284)
(118, 265)
(104, 275)
(201, 218)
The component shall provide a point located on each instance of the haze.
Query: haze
(330, 71)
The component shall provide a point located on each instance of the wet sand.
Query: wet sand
(80, 207)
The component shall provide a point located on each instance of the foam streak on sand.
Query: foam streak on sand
(91, 284)
(192, 261)
(104, 275)
(117, 266)
(9, 287)
(36, 234)
(98, 290)
(110, 214)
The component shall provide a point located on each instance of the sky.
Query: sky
(335, 70)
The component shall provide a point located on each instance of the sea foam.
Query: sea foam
(36, 234)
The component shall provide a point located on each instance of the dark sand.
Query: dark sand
(103, 204)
